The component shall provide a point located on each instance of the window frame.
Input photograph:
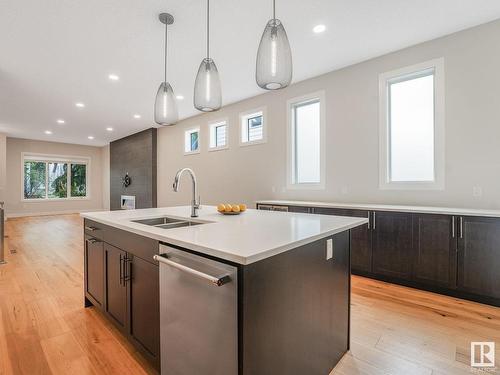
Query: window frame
(291, 104)
(212, 127)
(191, 131)
(243, 122)
(401, 75)
(66, 159)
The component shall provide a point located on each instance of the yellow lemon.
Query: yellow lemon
(221, 208)
(243, 207)
(235, 208)
(228, 207)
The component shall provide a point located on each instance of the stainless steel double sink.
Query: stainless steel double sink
(166, 222)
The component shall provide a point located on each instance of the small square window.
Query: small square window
(192, 141)
(252, 127)
(218, 135)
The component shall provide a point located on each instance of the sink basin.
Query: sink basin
(166, 222)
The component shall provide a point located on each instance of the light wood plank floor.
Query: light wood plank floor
(44, 328)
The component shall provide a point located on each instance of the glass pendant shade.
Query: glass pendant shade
(207, 89)
(274, 58)
(165, 105)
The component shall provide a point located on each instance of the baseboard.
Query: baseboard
(48, 213)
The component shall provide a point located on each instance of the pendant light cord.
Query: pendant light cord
(274, 10)
(165, 73)
(208, 29)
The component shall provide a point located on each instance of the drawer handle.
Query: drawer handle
(91, 229)
(93, 240)
(218, 281)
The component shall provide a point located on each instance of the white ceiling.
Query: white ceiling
(54, 53)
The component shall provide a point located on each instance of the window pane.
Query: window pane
(255, 128)
(78, 180)
(307, 143)
(58, 180)
(34, 180)
(194, 141)
(412, 129)
(220, 135)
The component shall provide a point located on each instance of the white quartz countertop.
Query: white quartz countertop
(385, 207)
(246, 238)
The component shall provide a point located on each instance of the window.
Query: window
(252, 127)
(412, 127)
(306, 134)
(192, 141)
(218, 135)
(47, 177)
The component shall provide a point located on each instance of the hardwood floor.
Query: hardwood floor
(44, 328)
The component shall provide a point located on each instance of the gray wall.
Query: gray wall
(135, 154)
(472, 121)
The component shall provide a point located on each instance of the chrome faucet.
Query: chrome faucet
(195, 203)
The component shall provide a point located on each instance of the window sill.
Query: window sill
(218, 148)
(252, 143)
(192, 152)
(45, 200)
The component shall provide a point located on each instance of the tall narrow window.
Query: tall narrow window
(252, 127)
(306, 136)
(192, 141)
(58, 180)
(412, 127)
(218, 135)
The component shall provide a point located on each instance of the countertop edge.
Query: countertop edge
(383, 207)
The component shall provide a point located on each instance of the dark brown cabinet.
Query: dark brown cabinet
(479, 255)
(361, 238)
(435, 261)
(116, 287)
(392, 244)
(144, 305)
(94, 270)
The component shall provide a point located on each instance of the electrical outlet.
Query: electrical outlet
(329, 249)
(477, 191)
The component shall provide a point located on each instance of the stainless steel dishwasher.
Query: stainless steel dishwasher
(199, 314)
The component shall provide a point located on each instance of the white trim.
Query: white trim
(247, 114)
(191, 131)
(47, 158)
(291, 185)
(439, 127)
(212, 124)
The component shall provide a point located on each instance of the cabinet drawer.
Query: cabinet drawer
(139, 246)
(94, 229)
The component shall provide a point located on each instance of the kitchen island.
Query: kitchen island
(258, 293)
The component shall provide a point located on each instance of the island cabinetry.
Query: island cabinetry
(122, 280)
(479, 255)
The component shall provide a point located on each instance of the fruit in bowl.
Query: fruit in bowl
(231, 209)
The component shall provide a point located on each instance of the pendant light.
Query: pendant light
(165, 104)
(274, 56)
(207, 90)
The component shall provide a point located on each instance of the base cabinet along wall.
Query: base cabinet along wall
(454, 255)
(122, 280)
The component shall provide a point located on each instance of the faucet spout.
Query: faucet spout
(195, 202)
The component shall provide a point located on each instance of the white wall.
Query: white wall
(472, 116)
(3, 166)
(15, 206)
(105, 171)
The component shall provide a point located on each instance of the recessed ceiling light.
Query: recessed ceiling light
(90, 137)
(113, 77)
(80, 105)
(48, 132)
(180, 97)
(319, 28)
(61, 121)
(109, 129)
(137, 116)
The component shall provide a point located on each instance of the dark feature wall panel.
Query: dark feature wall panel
(135, 154)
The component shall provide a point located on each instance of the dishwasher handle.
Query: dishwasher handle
(218, 281)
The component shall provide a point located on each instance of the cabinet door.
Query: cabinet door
(479, 256)
(361, 238)
(94, 270)
(144, 305)
(435, 250)
(392, 244)
(116, 288)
